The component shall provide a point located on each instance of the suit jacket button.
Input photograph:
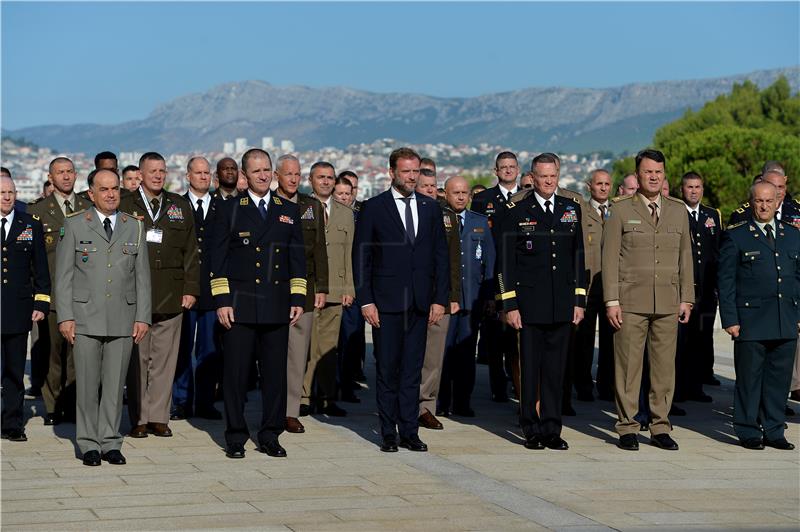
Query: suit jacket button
(258, 248)
(258, 281)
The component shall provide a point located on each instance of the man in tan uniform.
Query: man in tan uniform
(339, 232)
(648, 286)
(312, 220)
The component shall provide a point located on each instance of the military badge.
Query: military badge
(528, 245)
(26, 235)
(277, 200)
(285, 219)
(244, 201)
(478, 252)
(309, 214)
(175, 213)
(48, 239)
(447, 222)
(569, 217)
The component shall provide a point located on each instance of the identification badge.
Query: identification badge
(155, 235)
(478, 252)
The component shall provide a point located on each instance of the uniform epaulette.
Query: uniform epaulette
(796, 200)
(343, 204)
(479, 214)
(70, 215)
(37, 200)
(676, 200)
(615, 199)
(737, 224)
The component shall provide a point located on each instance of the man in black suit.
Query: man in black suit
(500, 339)
(401, 270)
(25, 299)
(694, 362)
(542, 287)
(193, 389)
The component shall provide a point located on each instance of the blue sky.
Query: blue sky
(65, 63)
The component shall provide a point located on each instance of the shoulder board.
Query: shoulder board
(673, 199)
(37, 200)
(746, 204)
(70, 215)
(796, 201)
(737, 224)
(740, 210)
(244, 201)
(344, 205)
(276, 200)
(615, 199)
(479, 214)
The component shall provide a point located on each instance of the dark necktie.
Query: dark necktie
(199, 210)
(654, 211)
(770, 236)
(461, 224)
(107, 227)
(409, 219)
(67, 207)
(602, 209)
(262, 209)
(3, 235)
(154, 204)
(694, 215)
(547, 207)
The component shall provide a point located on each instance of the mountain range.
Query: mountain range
(561, 119)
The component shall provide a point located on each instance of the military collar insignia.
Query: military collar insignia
(276, 200)
(244, 201)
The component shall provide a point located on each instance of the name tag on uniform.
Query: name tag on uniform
(155, 235)
(633, 222)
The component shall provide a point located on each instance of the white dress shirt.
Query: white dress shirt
(401, 209)
(508, 193)
(762, 226)
(9, 218)
(695, 210)
(256, 200)
(206, 202)
(541, 201)
(103, 217)
(596, 206)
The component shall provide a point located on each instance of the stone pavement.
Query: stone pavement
(476, 477)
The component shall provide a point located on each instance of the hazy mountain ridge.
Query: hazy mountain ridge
(565, 119)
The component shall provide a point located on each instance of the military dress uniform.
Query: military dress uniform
(103, 285)
(759, 290)
(541, 274)
(258, 268)
(788, 212)
(174, 272)
(25, 289)
(694, 362)
(647, 270)
(499, 340)
(58, 391)
(312, 220)
(352, 342)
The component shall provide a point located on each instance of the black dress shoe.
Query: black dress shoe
(208, 413)
(567, 410)
(500, 398)
(701, 398)
(664, 441)
(556, 443)
(52, 419)
(586, 397)
(781, 444)
(332, 410)
(273, 448)
(389, 445)
(628, 442)
(350, 397)
(33, 393)
(179, 412)
(414, 444)
(712, 381)
(14, 435)
(644, 427)
(788, 411)
(677, 411)
(305, 410)
(91, 458)
(114, 457)
(234, 450)
(755, 444)
(464, 412)
(534, 442)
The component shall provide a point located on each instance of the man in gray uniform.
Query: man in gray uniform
(103, 283)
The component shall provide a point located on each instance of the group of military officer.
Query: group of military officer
(270, 276)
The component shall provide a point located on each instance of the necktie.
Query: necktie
(262, 209)
(67, 207)
(770, 236)
(154, 204)
(654, 209)
(694, 215)
(547, 207)
(107, 227)
(461, 224)
(602, 209)
(325, 206)
(199, 211)
(409, 220)
(3, 234)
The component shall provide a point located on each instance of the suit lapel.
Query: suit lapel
(93, 221)
(643, 211)
(758, 236)
(391, 207)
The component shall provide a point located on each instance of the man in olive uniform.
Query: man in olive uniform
(312, 220)
(58, 391)
(648, 287)
(25, 294)
(258, 283)
(319, 382)
(174, 272)
(759, 288)
(437, 332)
(103, 284)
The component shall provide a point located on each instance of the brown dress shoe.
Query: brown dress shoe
(293, 425)
(139, 431)
(159, 429)
(429, 421)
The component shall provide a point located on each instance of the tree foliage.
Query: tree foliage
(729, 139)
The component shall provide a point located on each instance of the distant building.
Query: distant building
(287, 146)
(267, 143)
(241, 144)
(228, 148)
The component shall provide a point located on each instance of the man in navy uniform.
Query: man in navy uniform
(477, 258)
(259, 287)
(25, 299)
(501, 340)
(694, 361)
(759, 290)
(401, 271)
(194, 387)
(542, 287)
(788, 208)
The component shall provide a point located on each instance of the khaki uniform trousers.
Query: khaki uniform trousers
(58, 391)
(660, 333)
(432, 365)
(297, 357)
(324, 355)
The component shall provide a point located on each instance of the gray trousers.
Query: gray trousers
(432, 366)
(299, 342)
(100, 360)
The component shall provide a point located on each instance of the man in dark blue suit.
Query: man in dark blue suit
(477, 288)
(194, 387)
(401, 269)
(759, 292)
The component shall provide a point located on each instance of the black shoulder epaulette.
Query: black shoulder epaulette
(737, 224)
(37, 200)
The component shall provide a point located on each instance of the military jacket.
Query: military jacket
(790, 212)
(451, 230)
(312, 221)
(706, 233)
(202, 229)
